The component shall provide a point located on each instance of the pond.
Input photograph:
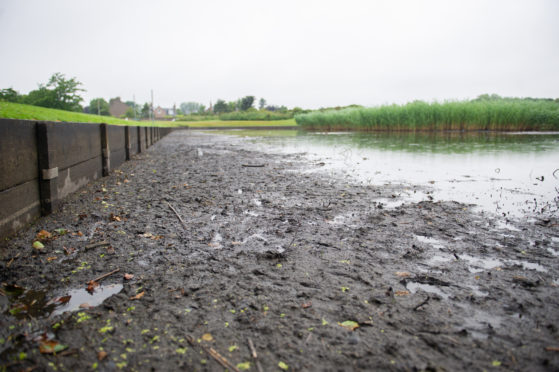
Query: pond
(510, 174)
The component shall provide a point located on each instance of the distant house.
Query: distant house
(117, 108)
(162, 113)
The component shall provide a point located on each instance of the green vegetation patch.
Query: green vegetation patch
(10, 110)
(484, 113)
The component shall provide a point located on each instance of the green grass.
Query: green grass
(240, 123)
(10, 110)
(494, 114)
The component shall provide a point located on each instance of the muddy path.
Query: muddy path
(313, 270)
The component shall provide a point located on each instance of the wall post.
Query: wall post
(127, 145)
(105, 150)
(48, 173)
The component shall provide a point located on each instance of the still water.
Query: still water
(512, 174)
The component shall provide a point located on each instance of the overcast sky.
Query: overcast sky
(295, 53)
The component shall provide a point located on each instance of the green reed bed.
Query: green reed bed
(498, 115)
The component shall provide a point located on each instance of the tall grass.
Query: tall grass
(495, 114)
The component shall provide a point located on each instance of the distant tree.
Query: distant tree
(246, 103)
(145, 111)
(99, 106)
(201, 109)
(189, 107)
(9, 95)
(60, 93)
(261, 103)
(221, 107)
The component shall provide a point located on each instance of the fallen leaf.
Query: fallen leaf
(38, 245)
(79, 233)
(91, 285)
(59, 300)
(401, 293)
(61, 231)
(207, 337)
(552, 348)
(51, 258)
(69, 251)
(43, 235)
(115, 218)
(138, 296)
(283, 366)
(243, 366)
(128, 276)
(306, 305)
(402, 274)
(496, 363)
(51, 347)
(85, 305)
(101, 355)
(349, 325)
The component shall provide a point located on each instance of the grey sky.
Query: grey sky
(295, 53)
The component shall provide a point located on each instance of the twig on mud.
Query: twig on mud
(253, 165)
(12, 260)
(294, 237)
(254, 355)
(105, 275)
(214, 354)
(424, 302)
(96, 245)
(179, 217)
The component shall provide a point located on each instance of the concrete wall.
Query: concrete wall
(43, 162)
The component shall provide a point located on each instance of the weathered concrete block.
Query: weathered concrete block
(18, 152)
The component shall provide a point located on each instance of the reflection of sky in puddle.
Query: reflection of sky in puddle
(432, 241)
(479, 264)
(413, 287)
(82, 296)
(502, 173)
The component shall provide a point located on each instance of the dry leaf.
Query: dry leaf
(402, 274)
(207, 337)
(128, 276)
(43, 235)
(85, 305)
(51, 347)
(91, 285)
(138, 296)
(101, 355)
(349, 325)
(51, 258)
(401, 293)
(552, 348)
(306, 305)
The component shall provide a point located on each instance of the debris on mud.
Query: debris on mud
(222, 257)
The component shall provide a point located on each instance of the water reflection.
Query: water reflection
(504, 173)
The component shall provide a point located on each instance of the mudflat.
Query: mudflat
(204, 254)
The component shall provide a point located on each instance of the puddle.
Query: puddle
(33, 304)
(216, 241)
(414, 287)
(480, 264)
(432, 241)
(82, 296)
(439, 259)
(481, 322)
(553, 252)
(506, 226)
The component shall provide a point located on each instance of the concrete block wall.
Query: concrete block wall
(43, 162)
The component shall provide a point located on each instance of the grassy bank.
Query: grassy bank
(10, 110)
(494, 114)
(240, 123)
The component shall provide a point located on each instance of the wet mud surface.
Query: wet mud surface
(317, 273)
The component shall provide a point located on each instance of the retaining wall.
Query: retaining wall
(43, 162)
